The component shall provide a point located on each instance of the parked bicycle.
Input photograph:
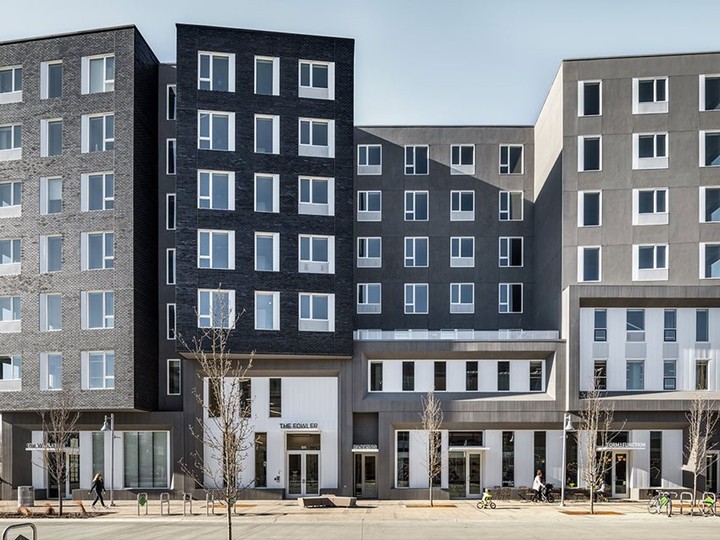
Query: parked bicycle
(660, 502)
(544, 494)
(709, 506)
(486, 501)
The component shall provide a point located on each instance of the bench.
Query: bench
(328, 501)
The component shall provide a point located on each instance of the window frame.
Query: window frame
(600, 331)
(363, 197)
(309, 207)
(411, 305)
(368, 168)
(171, 99)
(460, 167)
(504, 165)
(16, 75)
(275, 74)
(312, 266)
(656, 105)
(582, 164)
(703, 259)
(171, 156)
(275, 299)
(655, 217)
(506, 306)
(170, 362)
(209, 139)
(171, 321)
(45, 78)
(509, 242)
(669, 330)
(366, 261)
(655, 161)
(108, 261)
(211, 174)
(412, 163)
(86, 75)
(44, 253)
(45, 135)
(703, 90)
(311, 323)
(363, 293)
(14, 152)
(212, 294)
(14, 209)
(457, 260)
(44, 315)
(703, 204)
(310, 149)
(633, 332)
(211, 233)
(457, 195)
(658, 272)
(170, 266)
(506, 214)
(45, 194)
(275, 123)
(581, 98)
(456, 296)
(108, 202)
(412, 258)
(275, 192)
(108, 142)
(108, 365)
(45, 379)
(581, 207)
(669, 376)
(316, 92)
(634, 362)
(15, 248)
(170, 212)
(209, 80)
(413, 202)
(275, 237)
(107, 305)
(581, 264)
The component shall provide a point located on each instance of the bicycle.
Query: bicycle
(544, 494)
(486, 502)
(660, 502)
(708, 505)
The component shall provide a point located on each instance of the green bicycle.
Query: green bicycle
(660, 502)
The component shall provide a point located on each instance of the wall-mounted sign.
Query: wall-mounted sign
(45, 447)
(359, 447)
(299, 425)
(624, 446)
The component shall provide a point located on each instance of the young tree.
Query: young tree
(432, 417)
(702, 419)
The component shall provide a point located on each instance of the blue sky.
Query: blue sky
(419, 62)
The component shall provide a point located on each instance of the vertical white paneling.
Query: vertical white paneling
(329, 460)
(617, 331)
(493, 458)
(276, 462)
(392, 375)
(524, 457)
(640, 459)
(424, 375)
(418, 459)
(39, 476)
(86, 472)
(672, 457)
(260, 388)
(586, 347)
(456, 375)
(553, 455)
(520, 376)
(487, 375)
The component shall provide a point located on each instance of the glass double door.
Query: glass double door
(465, 475)
(366, 476)
(303, 474)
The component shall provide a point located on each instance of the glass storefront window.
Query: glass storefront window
(146, 459)
(540, 449)
(465, 438)
(261, 460)
(98, 452)
(303, 441)
(403, 459)
(508, 459)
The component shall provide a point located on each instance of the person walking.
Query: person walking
(538, 484)
(98, 486)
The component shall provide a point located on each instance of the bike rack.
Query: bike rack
(209, 504)
(142, 500)
(18, 526)
(164, 500)
(187, 498)
(686, 497)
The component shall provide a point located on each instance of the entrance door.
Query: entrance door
(365, 476)
(303, 474)
(619, 474)
(464, 475)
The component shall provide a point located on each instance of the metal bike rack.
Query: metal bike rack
(33, 528)
(187, 498)
(165, 500)
(686, 497)
(142, 500)
(209, 504)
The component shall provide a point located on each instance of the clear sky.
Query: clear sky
(418, 62)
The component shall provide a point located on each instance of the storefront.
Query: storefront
(365, 458)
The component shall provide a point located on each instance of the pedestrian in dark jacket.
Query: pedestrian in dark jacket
(98, 486)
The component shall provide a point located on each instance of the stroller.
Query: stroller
(544, 495)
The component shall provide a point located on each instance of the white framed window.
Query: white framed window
(174, 378)
(317, 312)
(511, 206)
(98, 370)
(216, 130)
(267, 310)
(650, 206)
(710, 148)
(216, 190)
(170, 321)
(10, 142)
(98, 250)
(635, 375)
(369, 298)
(369, 159)
(709, 260)
(51, 371)
(10, 372)
(417, 205)
(98, 309)
(50, 312)
(462, 159)
(510, 251)
(51, 76)
(50, 254)
(650, 262)
(417, 159)
(216, 71)
(216, 308)
(170, 212)
(416, 298)
(316, 137)
(416, 252)
(267, 134)
(98, 132)
(316, 79)
(11, 199)
(635, 325)
(462, 298)
(97, 74)
(709, 204)
(171, 102)
(170, 156)
(511, 159)
(216, 249)
(650, 151)
(316, 254)
(709, 92)
(590, 153)
(650, 95)
(10, 313)
(267, 75)
(369, 206)
(267, 251)
(510, 298)
(316, 196)
(267, 192)
(589, 264)
(462, 251)
(170, 266)
(50, 195)
(589, 98)
(369, 252)
(10, 256)
(51, 137)
(462, 206)
(97, 191)
(11, 84)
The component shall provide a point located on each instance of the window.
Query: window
(174, 377)
(146, 459)
(98, 74)
(462, 251)
(10, 256)
(10, 308)
(171, 102)
(670, 325)
(589, 208)
(669, 374)
(98, 250)
(170, 211)
(709, 204)
(316, 196)
(50, 196)
(369, 253)
(462, 298)
(510, 298)
(462, 159)
(589, 94)
(402, 464)
(471, 376)
(50, 312)
(709, 261)
(369, 206)
(416, 252)
(589, 264)
(369, 298)
(216, 308)
(267, 76)
(539, 450)
(216, 249)
(11, 199)
(416, 298)
(511, 159)
(216, 131)
(216, 190)
(656, 459)
(50, 371)
(317, 137)
(462, 206)
(275, 401)
(267, 310)
(267, 193)
(317, 79)
(261, 453)
(51, 137)
(503, 376)
(650, 207)
(316, 254)
(536, 376)
(170, 330)
(511, 205)
(170, 266)
(440, 376)
(11, 367)
(589, 153)
(650, 151)
(267, 252)
(650, 95)
(97, 191)
(50, 79)
(50, 254)
(702, 334)
(416, 205)
(709, 92)
(10, 142)
(170, 156)
(650, 262)
(600, 325)
(11, 84)
(216, 71)
(600, 375)
(635, 375)
(98, 132)
(701, 374)
(635, 325)
(267, 134)
(510, 251)
(416, 159)
(98, 309)
(369, 159)
(408, 376)
(376, 376)
(317, 312)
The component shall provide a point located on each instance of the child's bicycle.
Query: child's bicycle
(486, 501)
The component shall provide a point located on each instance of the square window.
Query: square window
(51, 137)
(709, 204)
(11, 84)
(511, 159)
(416, 205)
(650, 262)
(317, 312)
(316, 137)
(316, 79)
(589, 264)
(171, 102)
(510, 251)
(369, 159)
(589, 153)
(97, 191)
(589, 94)
(50, 371)
(216, 190)
(216, 131)
(589, 208)
(416, 298)
(635, 375)
(216, 249)
(369, 206)
(417, 160)
(316, 196)
(216, 308)
(10, 256)
(462, 159)
(98, 74)
(650, 95)
(316, 254)
(98, 132)
(10, 308)
(650, 206)
(98, 369)
(510, 298)
(267, 252)
(50, 312)
(267, 76)
(10, 199)
(98, 250)
(216, 71)
(650, 151)
(267, 310)
(462, 298)
(170, 156)
(50, 254)
(10, 367)
(50, 196)
(369, 254)
(635, 325)
(10, 142)
(462, 206)
(462, 251)
(267, 134)
(511, 206)
(416, 252)
(709, 92)
(709, 261)
(369, 298)
(98, 309)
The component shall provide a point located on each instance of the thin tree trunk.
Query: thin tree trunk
(59, 502)
(592, 499)
(229, 520)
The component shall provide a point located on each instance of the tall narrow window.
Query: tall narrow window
(261, 455)
(510, 298)
(51, 137)
(503, 376)
(402, 465)
(376, 376)
(670, 321)
(540, 445)
(536, 376)
(635, 375)
(170, 212)
(589, 264)
(511, 251)
(267, 134)
(267, 76)
(589, 209)
(50, 312)
(600, 375)
(701, 374)
(408, 376)
(170, 266)
(50, 79)
(589, 94)
(511, 159)
(701, 325)
(50, 371)
(171, 156)
(669, 374)
(508, 459)
(655, 458)
(170, 316)
(50, 254)
(173, 386)
(440, 379)
(50, 196)
(275, 404)
(511, 206)
(635, 324)
(171, 103)
(471, 376)
(589, 153)
(600, 320)
(267, 193)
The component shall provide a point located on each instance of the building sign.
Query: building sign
(45, 447)
(364, 447)
(624, 446)
(299, 425)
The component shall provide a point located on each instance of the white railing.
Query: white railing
(456, 335)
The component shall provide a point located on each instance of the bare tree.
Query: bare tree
(58, 424)
(432, 417)
(224, 430)
(702, 418)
